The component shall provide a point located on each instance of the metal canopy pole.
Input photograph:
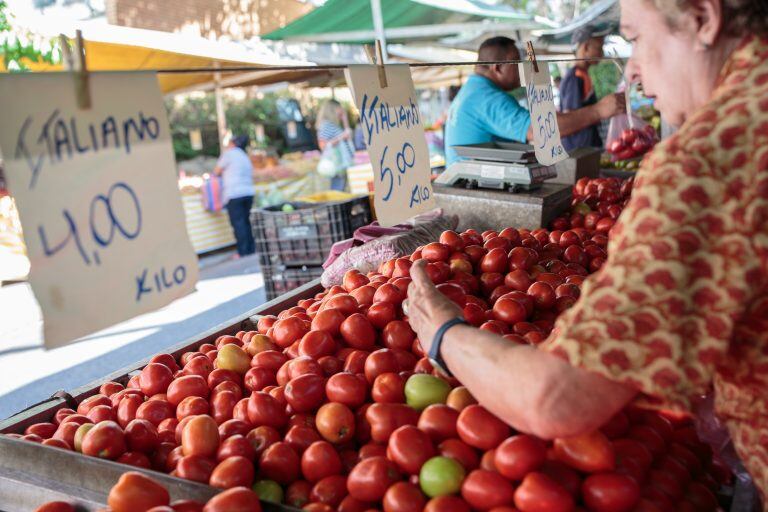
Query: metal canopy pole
(378, 27)
(221, 117)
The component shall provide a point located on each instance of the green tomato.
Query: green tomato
(288, 207)
(269, 490)
(441, 476)
(422, 390)
(582, 208)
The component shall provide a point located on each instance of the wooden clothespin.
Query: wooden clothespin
(76, 62)
(532, 56)
(377, 59)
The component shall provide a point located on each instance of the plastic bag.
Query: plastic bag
(628, 139)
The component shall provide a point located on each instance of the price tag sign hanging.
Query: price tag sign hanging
(394, 135)
(97, 194)
(546, 133)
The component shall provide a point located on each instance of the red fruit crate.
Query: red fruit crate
(305, 235)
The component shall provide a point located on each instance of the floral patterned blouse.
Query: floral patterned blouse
(681, 306)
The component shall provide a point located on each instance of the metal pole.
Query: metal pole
(378, 27)
(221, 117)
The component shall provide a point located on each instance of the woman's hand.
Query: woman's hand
(428, 309)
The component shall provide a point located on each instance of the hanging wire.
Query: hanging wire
(341, 67)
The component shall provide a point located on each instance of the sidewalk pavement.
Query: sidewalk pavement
(29, 374)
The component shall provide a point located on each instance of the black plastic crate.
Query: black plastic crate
(279, 280)
(305, 236)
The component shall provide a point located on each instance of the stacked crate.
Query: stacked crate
(292, 245)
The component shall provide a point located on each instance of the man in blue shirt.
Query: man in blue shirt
(483, 111)
(576, 90)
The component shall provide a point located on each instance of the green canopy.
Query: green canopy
(351, 21)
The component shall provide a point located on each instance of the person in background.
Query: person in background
(483, 111)
(576, 90)
(333, 130)
(235, 167)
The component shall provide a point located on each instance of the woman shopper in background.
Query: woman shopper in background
(236, 169)
(680, 309)
(335, 140)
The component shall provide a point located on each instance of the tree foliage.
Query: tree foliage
(18, 49)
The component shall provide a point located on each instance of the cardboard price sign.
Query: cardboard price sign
(546, 133)
(395, 140)
(98, 199)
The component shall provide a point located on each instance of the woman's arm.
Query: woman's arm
(532, 390)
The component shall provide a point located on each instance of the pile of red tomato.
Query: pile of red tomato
(331, 405)
(632, 143)
(596, 204)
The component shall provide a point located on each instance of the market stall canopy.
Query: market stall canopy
(603, 15)
(351, 21)
(111, 48)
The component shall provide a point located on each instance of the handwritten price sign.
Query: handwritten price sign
(546, 133)
(395, 140)
(98, 199)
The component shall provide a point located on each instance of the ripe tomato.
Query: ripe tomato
(270, 359)
(280, 463)
(155, 411)
(378, 362)
(188, 385)
(201, 365)
(522, 258)
(519, 455)
(259, 377)
(237, 499)
(288, 330)
(409, 448)
(89, 403)
(371, 478)
(485, 490)
(262, 438)
(335, 422)
(388, 388)
(317, 344)
(328, 320)
(380, 314)
(235, 445)
(479, 428)
(135, 491)
(300, 437)
(220, 375)
(44, 430)
(539, 493)
(263, 409)
(223, 405)
(398, 334)
(543, 294)
(386, 418)
(320, 460)
(509, 311)
(461, 452)
(101, 413)
(233, 427)
(200, 437)
(305, 393)
(446, 504)
(388, 292)
(436, 251)
(355, 361)
(155, 378)
(610, 492)
(403, 497)
(347, 389)
(494, 261)
(192, 406)
(358, 332)
(364, 295)
(353, 279)
(344, 302)
(56, 506)
(330, 491)
(105, 440)
(590, 452)
(439, 422)
(233, 471)
(141, 436)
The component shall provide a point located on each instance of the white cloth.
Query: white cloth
(237, 175)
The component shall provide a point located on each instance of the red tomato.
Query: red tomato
(649, 437)
(345, 303)
(186, 506)
(590, 452)
(330, 491)
(191, 406)
(262, 438)
(232, 472)
(328, 320)
(56, 506)
(378, 362)
(522, 258)
(386, 418)
(410, 448)
(155, 378)
(297, 494)
(263, 409)
(539, 493)
(380, 314)
(436, 251)
(319, 461)
(485, 490)
(403, 497)
(237, 499)
(519, 455)
(317, 344)
(155, 411)
(141, 436)
(388, 388)
(300, 437)
(355, 361)
(335, 422)
(201, 365)
(105, 440)
(461, 451)
(358, 332)
(509, 311)
(234, 427)
(220, 375)
(89, 403)
(44, 430)
(371, 478)
(364, 295)
(495, 261)
(447, 504)
(270, 359)
(233, 446)
(305, 393)
(353, 279)
(280, 463)
(388, 292)
(258, 377)
(479, 428)
(188, 385)
(398, 334)
(609, 492)
(135, 491)
(200, 437)
(346, 388)
(439, 422)
(288, 330)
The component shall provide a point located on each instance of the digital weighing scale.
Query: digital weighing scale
(497, 165)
